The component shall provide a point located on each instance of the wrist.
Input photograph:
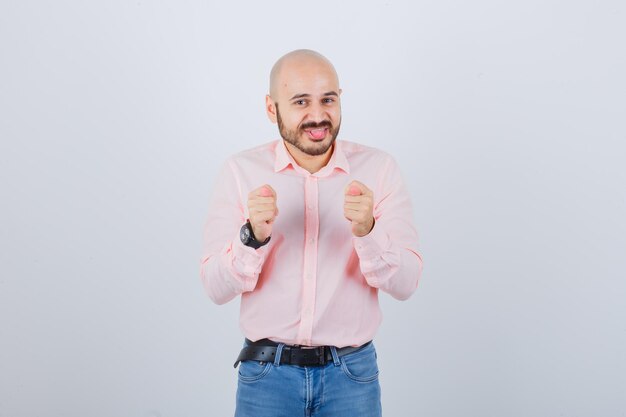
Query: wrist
(257, 234)
(366, 229)
(248, 238)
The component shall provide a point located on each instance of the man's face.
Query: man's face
(312, 138)
(308, 110)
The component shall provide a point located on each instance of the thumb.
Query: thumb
(354, 190)
(265, 192)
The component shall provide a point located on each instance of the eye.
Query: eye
(328, 100)
(299, 102)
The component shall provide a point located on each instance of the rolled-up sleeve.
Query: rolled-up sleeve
(388, 255)
(227, 267)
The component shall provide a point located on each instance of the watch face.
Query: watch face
(245, 234)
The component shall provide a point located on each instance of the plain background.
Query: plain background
(507, 119)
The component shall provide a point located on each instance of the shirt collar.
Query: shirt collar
(337, 160)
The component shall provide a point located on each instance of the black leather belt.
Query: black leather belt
(264, 350)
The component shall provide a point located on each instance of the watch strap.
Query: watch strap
(251, 240)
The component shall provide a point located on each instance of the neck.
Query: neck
(311, 163)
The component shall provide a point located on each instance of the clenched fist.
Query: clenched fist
(262, 211)
(358, 207)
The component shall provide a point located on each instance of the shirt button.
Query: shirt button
(309, 276)
(310, 206)
(311, 240)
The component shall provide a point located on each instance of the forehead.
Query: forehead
(306, 77)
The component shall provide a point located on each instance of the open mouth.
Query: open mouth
(317, 134)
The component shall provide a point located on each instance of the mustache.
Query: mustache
(316, 125)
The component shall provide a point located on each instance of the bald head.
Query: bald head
(291, 64)
(305, 86)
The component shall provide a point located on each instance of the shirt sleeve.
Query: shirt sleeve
(388, 255)
(228, 267)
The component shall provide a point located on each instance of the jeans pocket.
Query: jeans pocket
(250, 371)
(361, 366)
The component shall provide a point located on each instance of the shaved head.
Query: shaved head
(304, 100)
(293, 62)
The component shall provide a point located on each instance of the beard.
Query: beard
(294, 137)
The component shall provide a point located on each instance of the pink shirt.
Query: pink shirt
(314, 283)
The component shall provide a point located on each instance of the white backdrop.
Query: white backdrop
(507, 118)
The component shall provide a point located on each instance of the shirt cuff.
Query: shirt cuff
(248, 262)
(373, 244)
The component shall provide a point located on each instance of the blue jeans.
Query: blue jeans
(346, 387)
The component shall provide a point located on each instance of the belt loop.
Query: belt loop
(333, 351)
(279, 352)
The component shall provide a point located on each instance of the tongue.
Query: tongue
(317, 133)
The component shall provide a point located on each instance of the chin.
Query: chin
(319, 148)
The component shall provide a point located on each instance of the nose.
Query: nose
(317, 113)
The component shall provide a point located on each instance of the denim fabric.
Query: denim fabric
(346, 387)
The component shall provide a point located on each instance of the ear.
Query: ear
(340, 91)
(270, 108)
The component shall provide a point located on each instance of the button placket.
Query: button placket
(311, 232)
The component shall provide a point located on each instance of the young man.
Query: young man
(307, 230)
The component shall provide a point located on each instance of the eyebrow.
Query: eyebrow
(305, 95)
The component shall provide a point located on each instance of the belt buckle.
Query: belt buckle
(320, 355)
(313, 356)
(316, 356)
(321, 351)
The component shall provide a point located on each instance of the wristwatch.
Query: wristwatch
(247, 237)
